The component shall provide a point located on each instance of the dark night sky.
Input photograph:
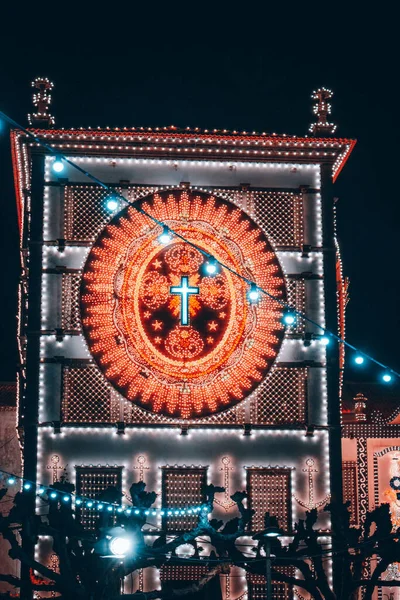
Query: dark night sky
(219, 70)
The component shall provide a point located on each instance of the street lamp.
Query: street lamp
(114, 543)
(270, 532)
(120, 546)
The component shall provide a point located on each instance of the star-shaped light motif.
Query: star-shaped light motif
(147, 314)
(157, 263)
(213, 326)
(157, 325)
(210, 340)
(222, 315)
(157, 340)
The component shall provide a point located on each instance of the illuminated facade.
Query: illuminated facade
(147, 366)
(371, 458)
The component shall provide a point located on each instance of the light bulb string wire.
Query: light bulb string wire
(169, 511)
(162, 224)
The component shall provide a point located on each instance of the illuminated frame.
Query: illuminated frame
(132, 308)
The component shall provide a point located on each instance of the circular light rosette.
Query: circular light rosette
(167, 335)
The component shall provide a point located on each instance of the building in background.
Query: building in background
(371, 456)
(143, 359)
(10, 461)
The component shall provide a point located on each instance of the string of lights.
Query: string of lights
(290, 314)
(61, 496)
(52, 494)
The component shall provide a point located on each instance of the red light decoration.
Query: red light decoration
(133, 321)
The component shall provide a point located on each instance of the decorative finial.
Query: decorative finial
(322, 109)
(360, 407)
(41, 101)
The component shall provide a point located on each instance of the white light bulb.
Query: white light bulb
(119, 546)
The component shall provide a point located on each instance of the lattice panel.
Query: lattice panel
(349, 476)
(86, 396)
(256, 586)
(182, 486)
(281, 398)
(296, 292)
(70, 314)
(86, 212)
(280, 214)
(90, 482)
(182, 573)
(269, 490)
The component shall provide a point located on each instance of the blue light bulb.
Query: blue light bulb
(359, 359)
(211, 266)
(53, 495)
(27, 485)
(165, 237)
(387, 378)
(58, 165)
(325, 340)
(112, 204)
(289, 319)
(11, 480)
(253, 294)
(66, 498)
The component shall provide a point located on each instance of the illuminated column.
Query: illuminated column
(30, 408)
(332, 350)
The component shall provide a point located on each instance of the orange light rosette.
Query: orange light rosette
(135, 291)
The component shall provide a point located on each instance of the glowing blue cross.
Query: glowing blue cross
(184, 290)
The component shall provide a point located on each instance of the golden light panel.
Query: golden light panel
(135, 292)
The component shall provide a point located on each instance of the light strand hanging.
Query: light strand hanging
(100, 505)
(386, 376)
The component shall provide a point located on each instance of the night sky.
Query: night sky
(209, 70)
